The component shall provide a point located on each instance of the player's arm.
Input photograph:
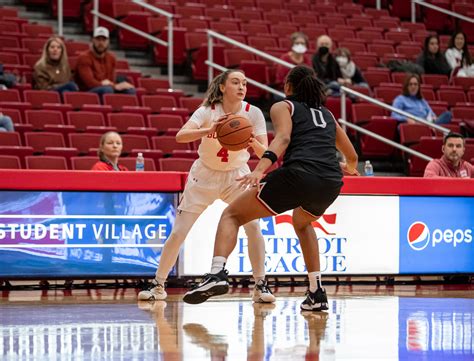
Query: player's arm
(259, 144)
(191, 130)
(281, 119)
(344, 145)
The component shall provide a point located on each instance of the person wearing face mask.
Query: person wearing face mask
(297, 55)
(326, 66)
(96, 67)
(351, 75)
(431, 59)
(52, 71)
(110, 148)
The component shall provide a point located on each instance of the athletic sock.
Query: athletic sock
(218, 264)
(314, 281)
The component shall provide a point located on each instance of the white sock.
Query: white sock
(314, 281)
(218, 263)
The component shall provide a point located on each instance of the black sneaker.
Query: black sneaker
(316, 301)
(213, 284)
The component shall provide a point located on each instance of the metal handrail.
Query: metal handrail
(437, 8)
(386, 106)
(384, 140)
(169, 44)
(212, 65)
(60, 17)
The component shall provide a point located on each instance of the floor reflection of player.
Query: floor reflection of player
(166, 331)
(216, 344)
(256, 349)
(317, 322)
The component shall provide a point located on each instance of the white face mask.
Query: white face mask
(299, 49)
(342, 60)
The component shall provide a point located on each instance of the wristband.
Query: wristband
(270, 155)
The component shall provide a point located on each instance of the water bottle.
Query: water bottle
(368, 169)
(140, 163)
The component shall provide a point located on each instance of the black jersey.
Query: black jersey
(313, 141)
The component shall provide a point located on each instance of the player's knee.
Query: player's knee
(300, 224)
(231, 214)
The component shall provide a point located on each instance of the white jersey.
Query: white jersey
(211, 153)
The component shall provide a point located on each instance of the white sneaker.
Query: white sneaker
(155, 291)
(262, 293)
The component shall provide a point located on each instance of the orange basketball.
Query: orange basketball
(234, 133)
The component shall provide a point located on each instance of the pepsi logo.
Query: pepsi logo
(418, 236)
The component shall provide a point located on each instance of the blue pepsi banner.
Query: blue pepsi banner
(436, 235)
(74, 234)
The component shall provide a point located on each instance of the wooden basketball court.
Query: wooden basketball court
(364, 322)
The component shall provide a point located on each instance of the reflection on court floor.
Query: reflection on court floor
(114, 327)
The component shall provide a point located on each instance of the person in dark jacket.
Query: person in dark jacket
(431, 59)
(325, 66)
(351, 74)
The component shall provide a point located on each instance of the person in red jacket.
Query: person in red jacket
(95, 69)
(451, 163)
(109, 152)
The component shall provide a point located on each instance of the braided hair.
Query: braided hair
(306, 87)
(214, 94)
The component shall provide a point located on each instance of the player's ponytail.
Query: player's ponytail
(214, 94)
(306, 87)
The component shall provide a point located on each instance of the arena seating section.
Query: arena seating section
(63, 133)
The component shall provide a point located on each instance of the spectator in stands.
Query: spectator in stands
(109, 152)
(451, 163)
(351, 75)
(7, 80)
(297, 55)
(6, 124)
(52, 71)
(431, 59)
(411, 101)
(326, 66)
(96, 67)
(458, 55)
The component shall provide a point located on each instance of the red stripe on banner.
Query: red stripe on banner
(283, 218)
(330, 218)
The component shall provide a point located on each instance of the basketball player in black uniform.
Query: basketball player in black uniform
(308, 182)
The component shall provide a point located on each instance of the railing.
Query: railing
(345, 90)
(210, 62)
(436, 8)
(169, 44)
(60, 17)
(345, 123)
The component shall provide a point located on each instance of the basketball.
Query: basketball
(234, 133)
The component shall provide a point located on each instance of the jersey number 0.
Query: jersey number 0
(318, 118)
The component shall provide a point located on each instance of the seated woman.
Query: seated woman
(431, 59)
(351, 75)
(52, 71)
(326, 67)
(297, 55)
(411, 101)
(458, 56)
(109, 152)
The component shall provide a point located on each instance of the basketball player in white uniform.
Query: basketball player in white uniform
(213, 176)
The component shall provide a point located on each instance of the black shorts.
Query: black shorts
(288, 188)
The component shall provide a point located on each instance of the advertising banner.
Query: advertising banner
(436, 235)
(56, 234)
(357, 235)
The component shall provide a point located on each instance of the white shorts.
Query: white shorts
(205, 185)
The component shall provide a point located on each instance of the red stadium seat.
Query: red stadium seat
(46, 162)
(129, 162)
(156, 102)
(10, 162)
(84, 141)
(176, 164)
(83, 163)
(39, 118)
(430, 146)
(39, 141)
(410, 134)
(78, 99)
(122, 121)
(168, 143)
(38, 98)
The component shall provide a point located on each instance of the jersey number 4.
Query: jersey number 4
(223, 154)
(318, 118)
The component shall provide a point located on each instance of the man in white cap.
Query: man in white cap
(95, 70)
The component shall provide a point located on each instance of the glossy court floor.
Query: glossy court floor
(432, 322)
